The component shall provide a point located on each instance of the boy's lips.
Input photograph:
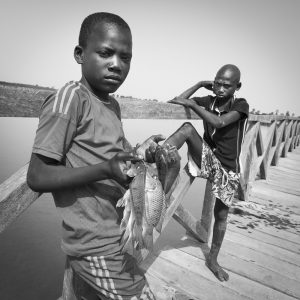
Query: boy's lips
(113, 78)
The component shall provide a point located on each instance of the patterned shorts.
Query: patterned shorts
(110, 277)
(224, 183)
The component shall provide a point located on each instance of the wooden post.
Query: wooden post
(279, 137)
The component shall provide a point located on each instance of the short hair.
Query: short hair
(90, 21)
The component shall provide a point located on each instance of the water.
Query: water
(31, 261)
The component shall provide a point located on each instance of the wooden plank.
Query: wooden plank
(258, 258)
(190, 223)
(275, 199)
(249, 270)
(233, 262)
(187, 275)
(269, 185)
(243, 286)
(15, 197)
(254, 226)
(283, 254)
(163, 290)
(266, 238)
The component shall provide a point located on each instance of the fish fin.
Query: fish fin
(123, 201)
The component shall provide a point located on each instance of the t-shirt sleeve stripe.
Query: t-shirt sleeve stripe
(70, 99)
(60, 97)
(64, 97)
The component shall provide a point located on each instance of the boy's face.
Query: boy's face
(225, 84)
(106, 58)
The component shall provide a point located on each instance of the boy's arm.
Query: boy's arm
(47, 175)
(214, 120)
(189, 92)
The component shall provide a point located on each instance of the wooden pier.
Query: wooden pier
(262, 244)
(260, 251)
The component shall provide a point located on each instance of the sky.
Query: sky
(176, 43)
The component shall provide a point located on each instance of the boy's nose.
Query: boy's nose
(115, 63)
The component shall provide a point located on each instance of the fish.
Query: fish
(145, 202)
(144, 207)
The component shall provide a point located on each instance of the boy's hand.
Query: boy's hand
(120, 164)
(148, 147)
(208, 84)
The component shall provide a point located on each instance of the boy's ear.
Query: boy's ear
(239, 85)
(78, 54)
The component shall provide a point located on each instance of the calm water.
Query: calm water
(31, 261)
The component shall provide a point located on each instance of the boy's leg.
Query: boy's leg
(187, 133)
(220, 213)
(168, 165)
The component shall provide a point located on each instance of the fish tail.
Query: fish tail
(148, 240)
(138, 235)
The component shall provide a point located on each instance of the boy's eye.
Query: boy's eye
(104, 53)
(126, 58)
(225, 86)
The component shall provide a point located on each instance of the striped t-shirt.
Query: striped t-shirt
(78, 129)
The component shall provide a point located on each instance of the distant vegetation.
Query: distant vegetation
(23, 100)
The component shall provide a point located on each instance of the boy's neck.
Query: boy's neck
(101, 95)
(223, 101)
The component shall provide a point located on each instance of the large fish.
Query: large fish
(145, 201)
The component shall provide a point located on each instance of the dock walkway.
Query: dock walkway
(261, 250)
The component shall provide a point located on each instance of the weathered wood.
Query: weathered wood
(279, 134)
(287, 141)
(185, 275)
(238, 286)
(15, 197)
(267, 153)
(190, 223)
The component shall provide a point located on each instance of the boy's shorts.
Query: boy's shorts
(115, 276)
(224, 183)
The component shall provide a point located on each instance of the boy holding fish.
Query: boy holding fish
(216, 156)
(80, 155)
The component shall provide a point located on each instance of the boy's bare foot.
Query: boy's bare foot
(217, 269)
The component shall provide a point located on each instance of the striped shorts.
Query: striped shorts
(115, 276)
(224, 183)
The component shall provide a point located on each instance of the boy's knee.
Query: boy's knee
(188, 128)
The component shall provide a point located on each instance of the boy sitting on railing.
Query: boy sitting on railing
(79, 155)
(216, 156)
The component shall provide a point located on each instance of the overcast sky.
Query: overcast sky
(175, 44)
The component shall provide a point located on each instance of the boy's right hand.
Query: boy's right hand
(120, 164)
(208, 84)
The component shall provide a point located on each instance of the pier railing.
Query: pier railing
(268, 137)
